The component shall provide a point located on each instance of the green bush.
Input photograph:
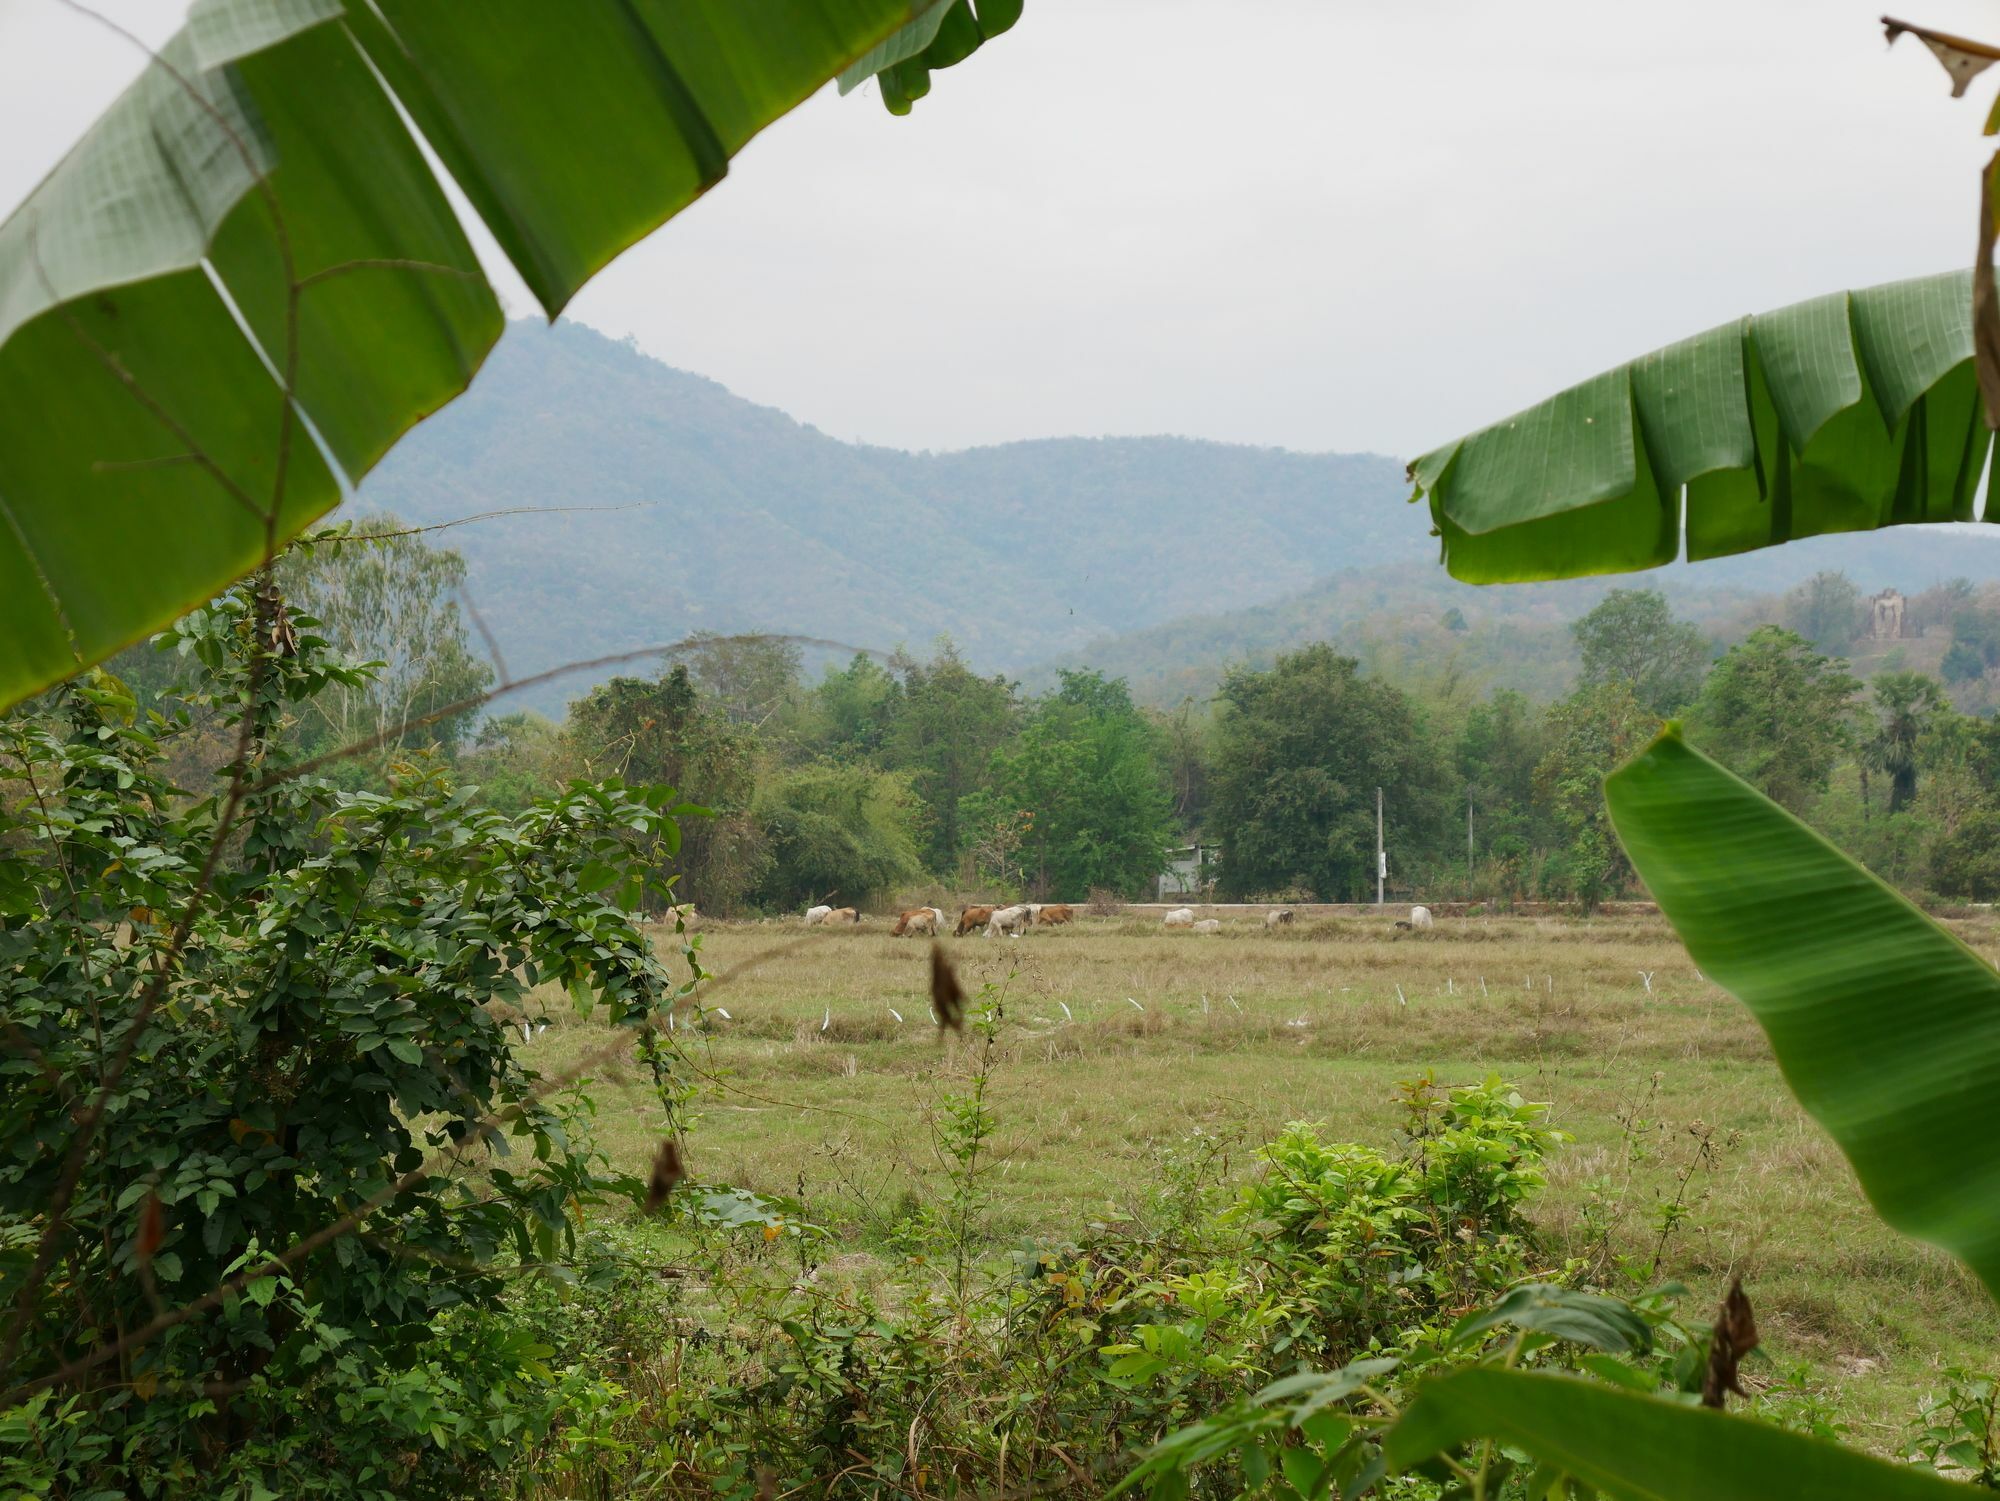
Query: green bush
(241, 1016)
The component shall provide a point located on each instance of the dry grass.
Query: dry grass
(1120, 1039)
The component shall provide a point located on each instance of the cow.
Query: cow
(970, 918)
(1209, 925)
(1053, 914)
(937, 918)
(817, 915)
(1180, 917)
(1013, 920)
(1278, 917)
(917, 920)
(1420, 918)
(840, 915)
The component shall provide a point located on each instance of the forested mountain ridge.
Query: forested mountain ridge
(1162, 559)
(742, 519)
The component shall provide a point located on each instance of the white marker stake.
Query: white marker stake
(1232, 1001)
(1399, 997)
(527, 1033)
(897, 1014)
(1134, 1004)
(1449, 988)
(1204, 1005)
(827, 1020)
(1482, 985)
(1646, 975)
(724, 1014)
(1066, 1011)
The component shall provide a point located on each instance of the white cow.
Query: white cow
(937, 919)
(1180, 917)
(817, 915)
(1277, 916)
(1209, 925)
(1420, 917)
(1012, 920)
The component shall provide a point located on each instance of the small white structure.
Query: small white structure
(1180, 917)
(1190, 870)
(817, 915)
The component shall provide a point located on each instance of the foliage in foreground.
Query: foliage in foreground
(234, 1017)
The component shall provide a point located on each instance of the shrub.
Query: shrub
(237, 1019)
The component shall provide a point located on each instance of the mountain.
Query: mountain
(1417, 622)
(1165, 558)
(741, 519)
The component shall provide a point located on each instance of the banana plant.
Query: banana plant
(246, 281)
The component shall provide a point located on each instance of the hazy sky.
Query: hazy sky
(1316, 223)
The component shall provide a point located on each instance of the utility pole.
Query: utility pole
(1381, 855)
(1469, 855)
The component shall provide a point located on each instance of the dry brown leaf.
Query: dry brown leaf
(667, 1173)
(1963, 59)
(152, 1229)
(1986, 300)
(1735, 1337)
(947, 995)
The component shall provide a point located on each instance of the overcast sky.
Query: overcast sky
(1315, 223)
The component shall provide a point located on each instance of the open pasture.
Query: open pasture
(1121, 1042)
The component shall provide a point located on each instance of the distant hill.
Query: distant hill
(1417, 622)
(1163, 558)
(750, 521)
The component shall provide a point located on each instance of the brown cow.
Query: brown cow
(971, 918)
(841, 915)
(1052, 914)
(916, 920)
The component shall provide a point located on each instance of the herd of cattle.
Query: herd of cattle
(1015, 920)
(929, 922)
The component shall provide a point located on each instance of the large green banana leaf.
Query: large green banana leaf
(254, 215)
(1643, 1448)
(1887, 1027)
(1846, 413)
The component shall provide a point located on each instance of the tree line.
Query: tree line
(887, 776)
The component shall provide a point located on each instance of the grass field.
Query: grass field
(1121, 1040)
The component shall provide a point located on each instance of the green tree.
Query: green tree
(1963, 662)
(750, 679)
(657, 731)
(382, 594)
(850, 710)
(1905, 707)
(1632, 637)
(830, 830)
(1778, 713)
(1085, 781)
(1500, 748)
(1299, 752)
(516, 758)
(1826, 610)
(1587, 735)
(947, 724)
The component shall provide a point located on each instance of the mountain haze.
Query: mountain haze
(743, 519)
(1161, 558)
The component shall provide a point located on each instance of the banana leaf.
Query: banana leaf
(1846, 413)
(1887, 1028)
(1641, 1448)
(255, 217)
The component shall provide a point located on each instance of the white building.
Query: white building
(1190, 870)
